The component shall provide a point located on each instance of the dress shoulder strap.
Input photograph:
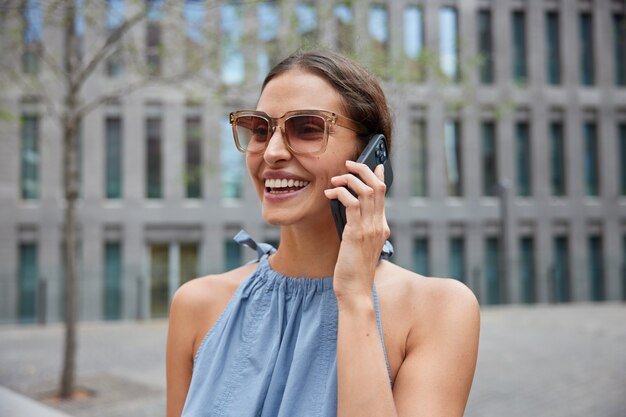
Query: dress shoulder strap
(261, 248)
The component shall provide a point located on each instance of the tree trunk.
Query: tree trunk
(70, 185)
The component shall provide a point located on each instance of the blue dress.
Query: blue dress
(272, 351)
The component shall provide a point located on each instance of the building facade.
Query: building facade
(509, 149)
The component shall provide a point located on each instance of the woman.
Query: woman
(373, 340)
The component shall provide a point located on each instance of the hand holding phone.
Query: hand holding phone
(374, 154)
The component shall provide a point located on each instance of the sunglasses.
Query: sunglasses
(304, 131)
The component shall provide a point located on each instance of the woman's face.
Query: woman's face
(303, 201)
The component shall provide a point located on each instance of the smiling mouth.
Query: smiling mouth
(284, 186)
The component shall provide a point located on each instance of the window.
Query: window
(519, 47)
(193, 156)
(596, 269)
(420, 256)
(452, 145)
(619, 54)
(414, 42)
(28, 276)
(269, 26)
(456, 258)
(194, 14)
(378, 28)
(345, 27)
(419, 170)
(112, 280)
(306, 16)
(154, 151)
(557, 159)
(561, 284)
(153, 37)
(489, 159)
(233, 69)
(159, 279)
(231, 161)
(621, 137)
(31, 36)
(492, 269)
(30, 157)
(590, 159)
(188, 261)
(523, 159)
(485, 46)
(449, 43)
(113, 157)
(527, 268)
(114, 19)
(586, 49)
(232, 253)
(553, 51)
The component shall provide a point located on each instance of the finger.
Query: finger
(367, 176)
(350, 202)
(364, 193)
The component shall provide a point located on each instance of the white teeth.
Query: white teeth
(276, 184)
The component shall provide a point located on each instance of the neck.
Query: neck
(307, 251)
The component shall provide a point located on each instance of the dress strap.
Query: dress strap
(387, 251)
(380, 331)
(261, 248)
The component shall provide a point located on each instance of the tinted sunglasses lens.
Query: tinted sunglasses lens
(252, 132)
(306, 133)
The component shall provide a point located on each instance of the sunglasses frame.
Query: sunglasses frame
(329, 118)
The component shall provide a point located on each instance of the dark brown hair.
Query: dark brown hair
(362, 95)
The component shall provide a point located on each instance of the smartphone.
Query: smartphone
(374, 154)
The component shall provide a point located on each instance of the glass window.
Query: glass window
(153, 158)
(485, 46)
(523, 159)
(590, 159)
(30, 157)
(32, 33)
(561, 269)
(452, 145)
(414, 42)
(519, 47)
(153, 37)
(489, 159)
(159, 280)
(231, 164)
(345, 27)
(449, 43)
(419, 170)
(557, 159)
(420, 256)
(306, 16)
(194, 13)
(378, 28)
(232, 252)
(596, 269)
(28, 275)
(268, 17)
(113, 157)
(188, 261)
(527, 268)
(193, 157)
(492, 269)
(619, 41)
(112, 280)
(233, 68)
(114, 19)
(586, 49)
(621, 163)
(456, 258)
(553, 50)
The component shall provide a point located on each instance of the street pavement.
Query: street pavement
(539, 361)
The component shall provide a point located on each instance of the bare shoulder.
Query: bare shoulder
(430, 304)
(198, 303)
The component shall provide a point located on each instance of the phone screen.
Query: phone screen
(374, 154)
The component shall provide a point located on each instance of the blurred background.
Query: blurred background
(119, 178)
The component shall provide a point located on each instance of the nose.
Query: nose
(276, 149)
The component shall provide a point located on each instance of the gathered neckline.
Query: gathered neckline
(265, 272)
